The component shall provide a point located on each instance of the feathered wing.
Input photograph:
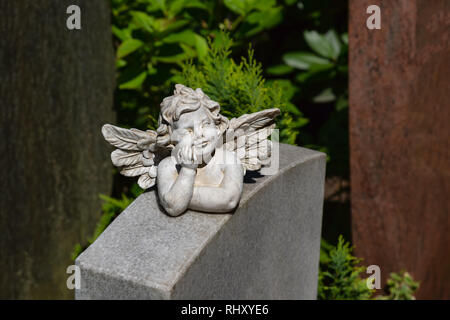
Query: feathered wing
(247, 136)
(133, 156)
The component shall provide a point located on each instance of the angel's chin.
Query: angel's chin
(206, 150)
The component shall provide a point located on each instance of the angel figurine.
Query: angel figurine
(197, 157)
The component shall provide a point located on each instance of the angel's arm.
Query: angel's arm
(223, 198)
(175, 188)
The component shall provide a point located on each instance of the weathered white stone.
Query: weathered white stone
(197, 156)
(268, 249)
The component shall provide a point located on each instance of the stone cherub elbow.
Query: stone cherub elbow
(196, 157)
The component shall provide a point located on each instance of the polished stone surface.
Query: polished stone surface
(268, 249)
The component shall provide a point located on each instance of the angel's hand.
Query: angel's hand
(187, 157)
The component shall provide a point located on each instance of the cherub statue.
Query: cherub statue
(196, 157)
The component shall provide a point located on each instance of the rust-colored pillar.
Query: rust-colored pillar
(399, 139)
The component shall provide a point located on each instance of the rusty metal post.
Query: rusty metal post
(399, 139)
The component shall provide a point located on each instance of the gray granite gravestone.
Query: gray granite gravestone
(268, 249)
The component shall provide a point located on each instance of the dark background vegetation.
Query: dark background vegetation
(58, 87)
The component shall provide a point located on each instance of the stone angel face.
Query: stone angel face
(197, 157)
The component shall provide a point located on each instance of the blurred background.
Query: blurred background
(385, 130)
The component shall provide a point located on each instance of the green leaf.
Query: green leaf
(237, 6)
(279, 70)
(176, 6)
(143, 20)
(122, 34)
(201, 45)
(243, 7)
(161, 25)
(120, 63)
(304, 76)
(135, 83)
(177, 58)
(335, 43)
(152, 7)
(262, 4)
(321, 67)
(325, 96)
(173, 26)
(264, 19)
(288, 89)
(303, 60)
(290, 107)
(76, 251)
(186, 36)
(151, 69)
(190, 38)
(188, 53)
(300, 122)
(188, 50)
(319, 44)
(344, 38)
(198, 4)
(342, 103)
(161, 4)
(127, 47)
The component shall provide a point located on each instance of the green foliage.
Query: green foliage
(77, 250)
(340, 277)
(324, 69)
(240, 88)
(321, 76)
(154, 37)
(111, 208)
(339, 274)
(254, 15)
(151, 38)
(400, 286)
